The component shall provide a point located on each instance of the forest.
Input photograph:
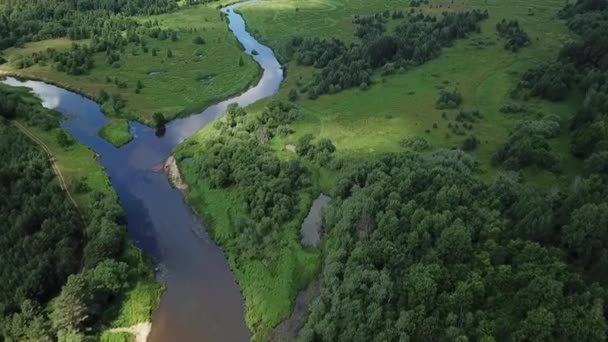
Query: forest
(25, 21)
(62, 266)
(419, 248)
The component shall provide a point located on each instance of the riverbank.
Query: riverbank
(170, 169)
(196, 75)
(85, 180)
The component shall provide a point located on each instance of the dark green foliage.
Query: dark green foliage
(43, 240)
(470, 143)
(417, 144)
(198, 40)
(14, 106)
(321, 152)
(37, 220)
(63, 139)
(516, 38)
(512, 108)
(159, 120)
(239, 158)
(581, 64)
(293, 95)
(79, 301)
(418, 249)
(597, 163)
(79, 186)
(417, 39)
(103, 96)
(106, 28)
(448, 99)
(552, 81)
(528, 145)
(25, 21)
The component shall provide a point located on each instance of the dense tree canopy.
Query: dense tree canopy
(37, 220)
(22, 20)
(46, 247)
(239, 158)
(419, 249)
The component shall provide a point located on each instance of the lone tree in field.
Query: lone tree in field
(159, 120)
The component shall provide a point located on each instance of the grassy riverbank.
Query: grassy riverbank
(193, 77)
(364, 124)
(80, 170)
(271, 281)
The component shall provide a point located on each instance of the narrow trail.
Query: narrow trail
(46, 149)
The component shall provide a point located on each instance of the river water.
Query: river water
(202, 301)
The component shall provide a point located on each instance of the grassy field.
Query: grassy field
(361, 123)
(117, 132)
(268, 286)
(196, 75)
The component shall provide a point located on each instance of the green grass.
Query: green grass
(269, 285)
(117, 132)
(363, 123)
(76, 162)
(195, 77)
(143, 295)
(116, 337)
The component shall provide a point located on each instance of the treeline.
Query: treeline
(417, 39)
(42, 235)
(60, 270)
(23, 21)
(108, 39)
(420, 249)
(581, 67)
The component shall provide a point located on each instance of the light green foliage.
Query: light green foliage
(117, 132)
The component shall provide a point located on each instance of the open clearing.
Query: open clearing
(403, 105)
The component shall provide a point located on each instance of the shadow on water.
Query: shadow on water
(202, 301)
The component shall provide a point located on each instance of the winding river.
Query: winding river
(202, 301)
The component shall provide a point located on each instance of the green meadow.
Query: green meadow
(194, 77)
(398, 106)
